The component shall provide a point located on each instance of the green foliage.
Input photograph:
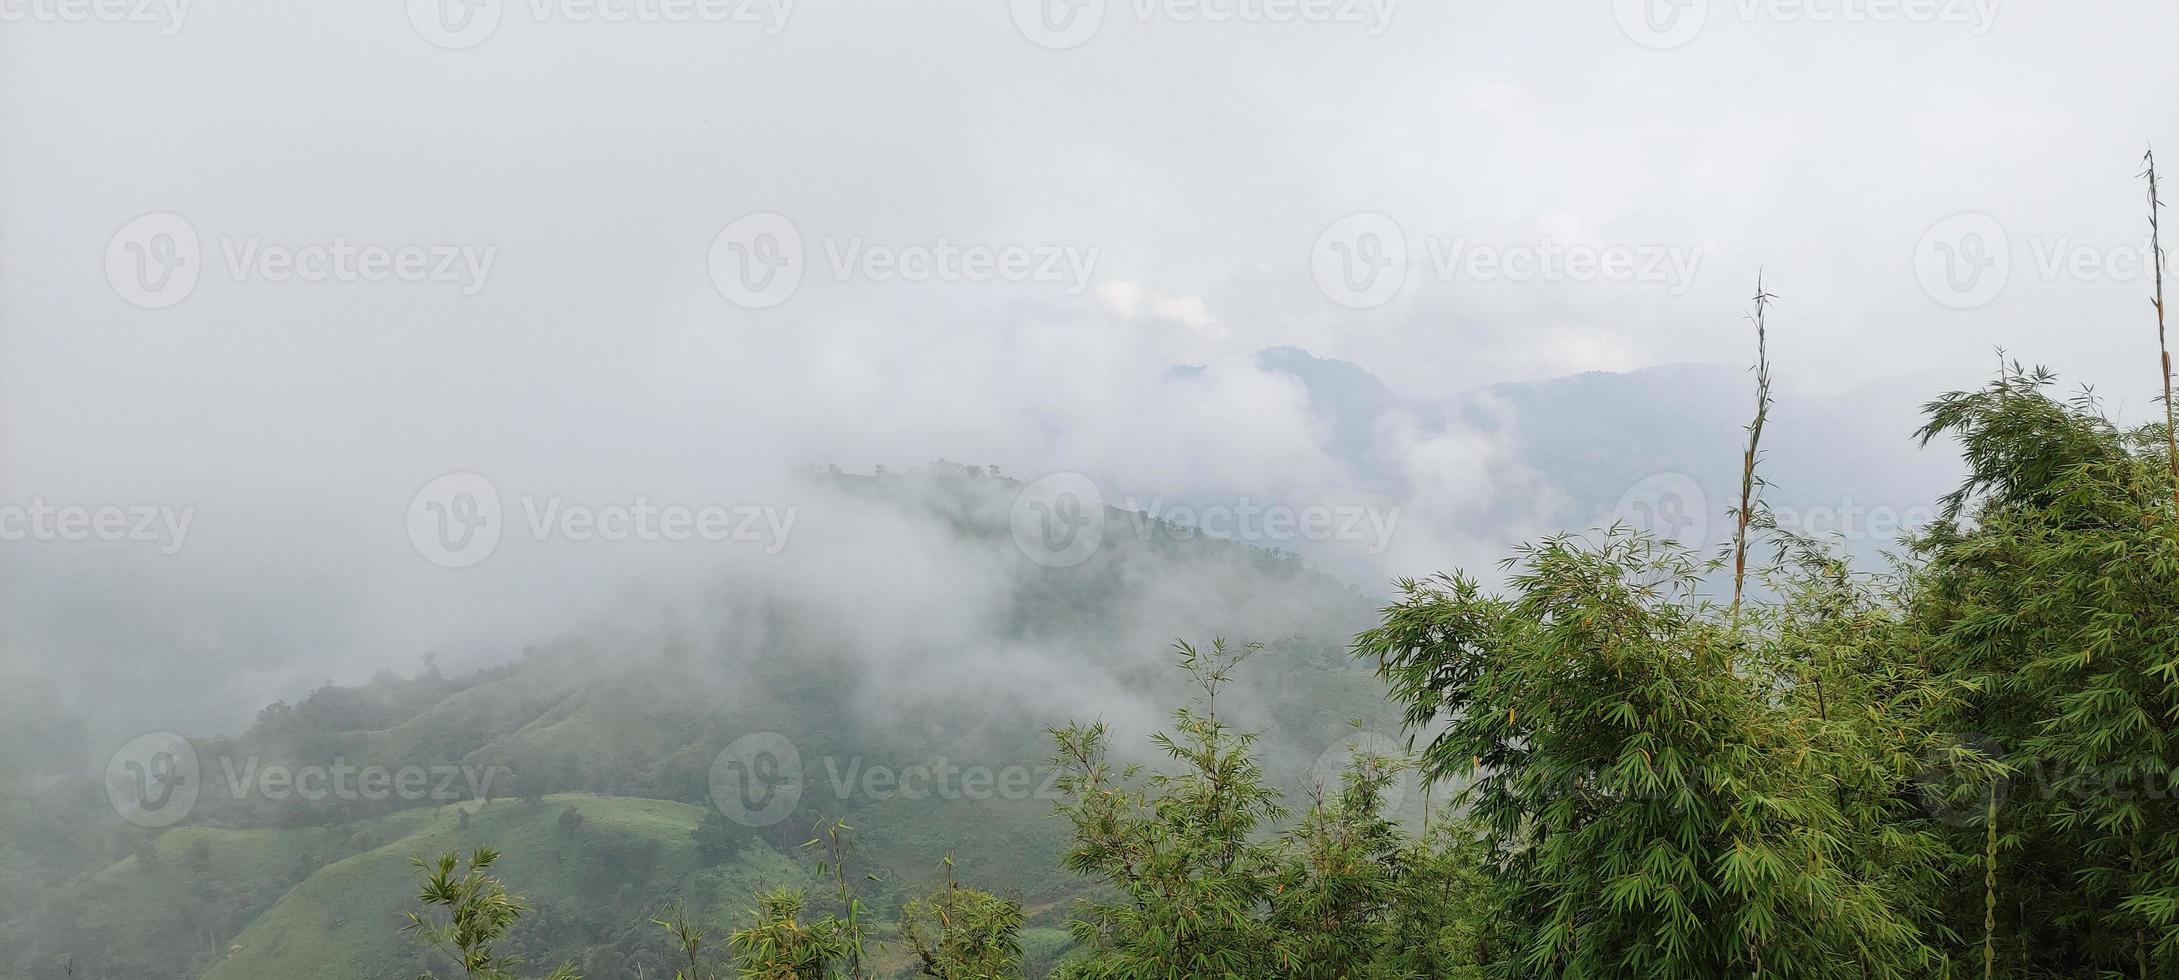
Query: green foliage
(479, 911)
(688, 940)
(1198, 889)
(958, 933)
(1444, 918)
(2047, 598)
(1190, 879)
(779, 946)
(1649, 810)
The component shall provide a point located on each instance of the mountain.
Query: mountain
(603, 763)
(908, 655)
(1606, 446)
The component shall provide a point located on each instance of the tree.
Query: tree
(1199, 888)
(779, 946)
(479, 912)
(1341, 865)
(1181, 856)
(689, 940)
(958, 933)
(1648, 810)
(2047, 599)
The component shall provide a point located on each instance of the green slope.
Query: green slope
(344, 921)
(167, 909)
(307, 888)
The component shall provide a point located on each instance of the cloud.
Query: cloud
(1198, 162)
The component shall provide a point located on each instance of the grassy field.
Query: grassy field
(344, 921)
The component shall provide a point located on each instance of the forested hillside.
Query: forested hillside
(1959, 763)
(614, 724)
(1962, 766)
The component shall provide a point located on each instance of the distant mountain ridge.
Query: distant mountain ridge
(1594, 437)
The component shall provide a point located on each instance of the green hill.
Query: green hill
(624, 862)
(926, 745)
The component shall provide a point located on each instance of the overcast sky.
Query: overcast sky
(285, 263)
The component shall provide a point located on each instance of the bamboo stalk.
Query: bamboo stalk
(1755, 444)
(2163, 344)
(1989, 895)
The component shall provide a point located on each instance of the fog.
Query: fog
(522, 258)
